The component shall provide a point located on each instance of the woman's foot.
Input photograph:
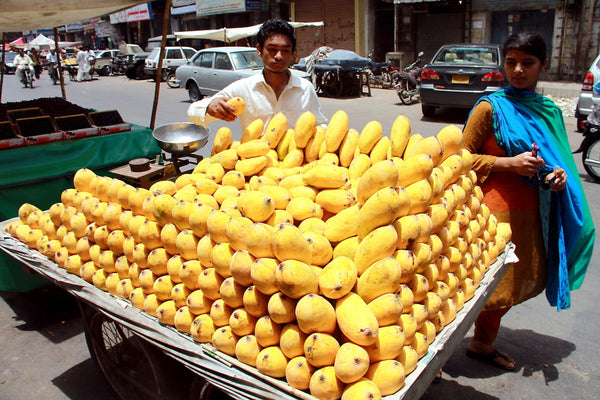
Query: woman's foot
(492, 357)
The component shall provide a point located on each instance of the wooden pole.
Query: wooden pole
(58, 64)
(2, 71)
(166, 19)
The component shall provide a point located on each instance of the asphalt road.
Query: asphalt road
(42, 346)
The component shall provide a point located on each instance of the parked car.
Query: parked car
(175, 56)
(459, 74)
(210, 70)
(134, 57)
(9, 63)
(586, 98)
(104, 61)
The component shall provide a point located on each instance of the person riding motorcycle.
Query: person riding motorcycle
(22, 61)
(52, 59)
(37, 62)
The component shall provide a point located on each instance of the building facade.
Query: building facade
(387, 29)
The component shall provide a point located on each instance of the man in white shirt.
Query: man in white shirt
(22, 61)
(274, 90)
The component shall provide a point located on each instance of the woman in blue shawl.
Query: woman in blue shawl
(529, 178)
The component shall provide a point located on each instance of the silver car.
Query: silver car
(586, 97)
(211, 70)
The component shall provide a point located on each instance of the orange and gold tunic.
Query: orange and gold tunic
(511, 200)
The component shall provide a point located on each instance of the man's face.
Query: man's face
(277, 53)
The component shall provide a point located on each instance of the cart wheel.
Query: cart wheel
(331, 84)
(201, 389)
(133, 368)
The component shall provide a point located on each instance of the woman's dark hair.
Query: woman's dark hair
(528, 41)
(275, 26)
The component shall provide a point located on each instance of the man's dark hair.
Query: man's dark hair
(527, 41)
(275, 26)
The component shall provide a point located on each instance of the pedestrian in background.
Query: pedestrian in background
(526, 170)
(83, 63)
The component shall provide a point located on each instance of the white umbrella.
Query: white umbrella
(40, 41)
(229, 35)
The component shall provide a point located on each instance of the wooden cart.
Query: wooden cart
(129, 344)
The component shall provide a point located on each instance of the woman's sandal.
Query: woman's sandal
(490, 359)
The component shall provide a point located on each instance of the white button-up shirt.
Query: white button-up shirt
(297, 97)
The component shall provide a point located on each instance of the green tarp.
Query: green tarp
(38, 174)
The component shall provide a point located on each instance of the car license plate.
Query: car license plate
(460, 79)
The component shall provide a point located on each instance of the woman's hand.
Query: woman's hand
(219, 108)
(557, 179)
(526, 164)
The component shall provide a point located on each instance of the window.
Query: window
(222, 61)
(246, 59)
(204, 59)
(174, 54)
(189, 53)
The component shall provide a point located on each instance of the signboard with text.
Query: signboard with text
(211, 7)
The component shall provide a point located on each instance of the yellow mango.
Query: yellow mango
(236, 231)
(253, 130)
(408, 358)
(301, 208)
(362, 389)
(381, 151)
(298, 372)
(276, 128)
(348, 147)
(387, 308)
(342, 225)
(378, 244)
(358, 166)
(247, 349)
(451, 138)
(351, 362)
(356, 321)
(399, 135)
(338, 277)
(320, 349)
(251, 166)
(388, 375)
(314, 144)
(381, 208)
(241, 322)
(379, 278)
(370, 134)
(326, 176)
(315, 314)
(335, 200)
(295, 278)
(281, 308)
(378, 176)
(257, 206)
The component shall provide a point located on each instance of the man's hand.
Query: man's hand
(219, 108)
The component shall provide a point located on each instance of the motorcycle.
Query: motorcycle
(53, 72)
(381, 73)
(590, 146)
(27, 75)
(409, 83)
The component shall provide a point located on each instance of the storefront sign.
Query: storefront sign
(211, 7)
(143, 12)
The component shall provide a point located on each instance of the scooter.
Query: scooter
(409, 83)
(27, 76)
(590, 146)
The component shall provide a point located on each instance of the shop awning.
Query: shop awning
(23, 15)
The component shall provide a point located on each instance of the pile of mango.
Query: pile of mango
(325, 256)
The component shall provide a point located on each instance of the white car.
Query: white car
(174, 57)
(586, 96)
(211, 70)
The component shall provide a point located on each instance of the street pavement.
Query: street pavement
(42, 346)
